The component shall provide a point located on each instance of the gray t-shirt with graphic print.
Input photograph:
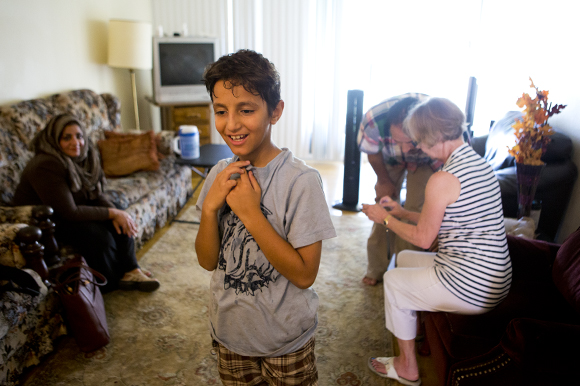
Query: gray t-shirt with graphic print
(254, 310)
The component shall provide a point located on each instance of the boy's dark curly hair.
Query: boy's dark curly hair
(248, 69)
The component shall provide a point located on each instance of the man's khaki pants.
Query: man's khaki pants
(381, 245)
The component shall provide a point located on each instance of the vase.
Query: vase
(528, 177)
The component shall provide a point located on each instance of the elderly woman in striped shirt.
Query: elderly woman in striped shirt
(471, 272)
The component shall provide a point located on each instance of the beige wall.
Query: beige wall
(53, 46)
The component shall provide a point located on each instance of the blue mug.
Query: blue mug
(186, 144)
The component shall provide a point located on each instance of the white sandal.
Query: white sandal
(391, 372)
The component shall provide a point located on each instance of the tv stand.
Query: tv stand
(175, 114)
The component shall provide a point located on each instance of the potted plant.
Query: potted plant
(532, 137)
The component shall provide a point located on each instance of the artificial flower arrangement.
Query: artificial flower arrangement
(533, 131)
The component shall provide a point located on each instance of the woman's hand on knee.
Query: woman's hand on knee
(123, 222)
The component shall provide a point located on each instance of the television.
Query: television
(178, 65)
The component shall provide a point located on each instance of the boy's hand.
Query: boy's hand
(245, 197)
(222, 185)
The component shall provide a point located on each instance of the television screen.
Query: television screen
(178, 65)
(182, 64)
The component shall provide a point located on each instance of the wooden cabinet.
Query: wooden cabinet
(200, 115)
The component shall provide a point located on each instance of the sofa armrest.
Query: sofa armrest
(532, 260)
(16, 214)
(34, 215)
(10, 253)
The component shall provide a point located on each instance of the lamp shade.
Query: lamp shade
(130, 44)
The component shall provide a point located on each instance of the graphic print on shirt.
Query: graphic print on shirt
(247, 269)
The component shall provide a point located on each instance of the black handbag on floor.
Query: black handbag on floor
(77, 286)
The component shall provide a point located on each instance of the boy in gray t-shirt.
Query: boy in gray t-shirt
(263, 219)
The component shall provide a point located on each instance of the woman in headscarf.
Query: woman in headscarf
(66, 174)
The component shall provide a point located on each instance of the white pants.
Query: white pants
(414, 286)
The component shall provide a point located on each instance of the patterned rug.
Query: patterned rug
(162, 338)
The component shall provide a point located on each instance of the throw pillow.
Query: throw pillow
(123, 154)
(566, 270)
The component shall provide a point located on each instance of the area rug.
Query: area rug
(162, 338)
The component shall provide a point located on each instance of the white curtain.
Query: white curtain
(321, 96)
(323, 48)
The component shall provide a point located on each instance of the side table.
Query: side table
(209, 156)
(524, 227)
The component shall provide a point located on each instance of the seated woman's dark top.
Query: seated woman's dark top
(44, 181)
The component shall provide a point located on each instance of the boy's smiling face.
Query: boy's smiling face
(243, 121)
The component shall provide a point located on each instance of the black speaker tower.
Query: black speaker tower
(470, 104)
(352, 156)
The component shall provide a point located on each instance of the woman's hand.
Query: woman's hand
(123, 222)
(245, 197)
(376, 213)
(222, 185)
(394, 208)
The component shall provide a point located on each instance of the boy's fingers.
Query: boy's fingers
(240, 164)
(254, 182)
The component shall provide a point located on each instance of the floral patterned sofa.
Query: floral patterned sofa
(29, 324)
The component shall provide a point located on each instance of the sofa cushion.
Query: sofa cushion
(123, 154)
(10, 254)
(126, 191)
(566, 271)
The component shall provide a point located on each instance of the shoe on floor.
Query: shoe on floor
(137, 281)
(391, 372)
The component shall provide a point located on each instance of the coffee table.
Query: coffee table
(209, 156)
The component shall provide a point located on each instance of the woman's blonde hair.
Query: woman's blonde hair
(435, 120)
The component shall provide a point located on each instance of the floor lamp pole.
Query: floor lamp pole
(135, 107)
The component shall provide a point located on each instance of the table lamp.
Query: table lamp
(130, 46)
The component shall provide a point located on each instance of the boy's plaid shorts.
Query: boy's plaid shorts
(297, 368)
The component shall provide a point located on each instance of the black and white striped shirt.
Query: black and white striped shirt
(473, 261)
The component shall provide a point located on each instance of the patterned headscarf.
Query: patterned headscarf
(85, 171)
